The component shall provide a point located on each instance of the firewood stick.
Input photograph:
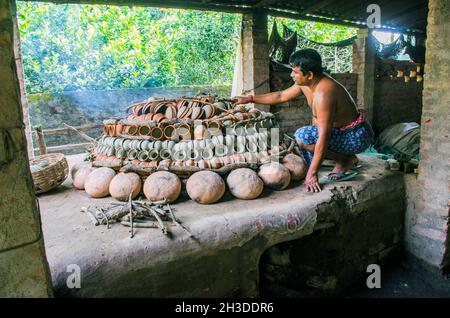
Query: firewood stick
(90, 215)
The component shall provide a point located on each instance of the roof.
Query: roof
(396, 15)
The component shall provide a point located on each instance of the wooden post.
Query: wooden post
(41, 141)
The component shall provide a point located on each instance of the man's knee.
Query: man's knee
(304, 136)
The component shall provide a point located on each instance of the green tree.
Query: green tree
(67, 47)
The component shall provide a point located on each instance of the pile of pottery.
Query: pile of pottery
(201, 144)
(205, 186)
(201, 132)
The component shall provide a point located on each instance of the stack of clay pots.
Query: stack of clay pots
(203, 131)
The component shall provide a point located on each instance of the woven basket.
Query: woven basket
(51, 175)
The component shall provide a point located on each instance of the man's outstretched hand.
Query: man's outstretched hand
(312, 182)
(237, 100)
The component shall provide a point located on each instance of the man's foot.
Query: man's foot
(343, 166)
(338, 176)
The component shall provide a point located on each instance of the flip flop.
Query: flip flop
(341, 177)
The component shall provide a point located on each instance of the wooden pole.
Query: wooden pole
(41, 141)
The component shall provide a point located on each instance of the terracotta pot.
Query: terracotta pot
(148, 116)
(158, 117)
(133, 130)
(170, 132)
(185, 132)
(166, 162)
(215, 127)
(145, 130)
(157, 133)
(153, 163)
(119, 128)
(199, 132)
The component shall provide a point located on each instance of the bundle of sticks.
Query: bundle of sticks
(136, 214)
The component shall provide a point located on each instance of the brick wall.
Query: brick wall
(396, 101)
(429, 214)
(296, 113)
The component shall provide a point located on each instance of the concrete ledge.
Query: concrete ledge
(230, 238)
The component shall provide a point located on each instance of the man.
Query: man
(338, 130)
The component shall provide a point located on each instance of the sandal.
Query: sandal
(342, 176)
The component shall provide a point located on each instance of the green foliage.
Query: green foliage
(69, 47)
(72, 47)
(316, 31)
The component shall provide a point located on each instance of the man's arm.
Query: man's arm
(324, 104)
(271, 98)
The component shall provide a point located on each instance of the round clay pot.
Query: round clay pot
(77, 166)
(124, 184)
(205, 187)
(245, 184)
(162, 185)
(296, 166)
(275, 175)
(97, 182)
(80, 176)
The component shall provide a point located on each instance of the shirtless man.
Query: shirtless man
(338, 130)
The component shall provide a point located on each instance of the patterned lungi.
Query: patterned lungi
(349, 140)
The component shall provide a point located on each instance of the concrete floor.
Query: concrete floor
(230, 237)
(405, 277)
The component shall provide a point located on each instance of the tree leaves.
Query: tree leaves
(109, 47)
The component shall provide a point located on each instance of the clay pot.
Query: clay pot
(124, 184)
(165, 163)
(205, 187)
(133, 130)
(158, 117)
(148, 117)
(185, 131)
(296, 166)
(245, 184)
(119, 128)
(157, 133)
(170, 132)
(216, 163)
(199, 132)
(215, 128)
(145, 130)
(162, 185)
(275, 175)
(80, 176)
(78, 166)
(97, 182)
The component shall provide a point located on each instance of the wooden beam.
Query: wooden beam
(58, 131)
(194, 5)
(68, 147)
(264, 3)
(316, 6)
(407, 9)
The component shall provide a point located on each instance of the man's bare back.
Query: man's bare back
(345, 110)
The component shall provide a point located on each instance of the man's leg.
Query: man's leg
(343, 162)
(306, 135)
